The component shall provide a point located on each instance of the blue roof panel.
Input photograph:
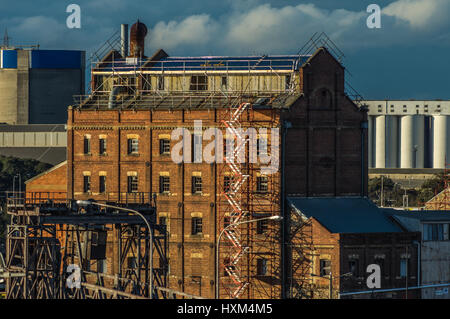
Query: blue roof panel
(56, 59)
(214, 63)
(8, 59)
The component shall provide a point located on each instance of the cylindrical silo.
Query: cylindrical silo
(392, 141)
(370, 140)
(407, 141)
(439, 140)
(419, 141)
(380, 141)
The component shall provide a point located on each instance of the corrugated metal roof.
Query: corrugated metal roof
(50, 155)
(422, 215)
(33, 128)
(345, 214)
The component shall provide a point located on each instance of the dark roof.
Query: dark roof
(50, 155)
(194, 101)
(33, 128)
(412, 220)
(345, 214)
(423, 215)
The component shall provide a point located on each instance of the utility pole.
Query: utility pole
(382, 192)
(331, 285)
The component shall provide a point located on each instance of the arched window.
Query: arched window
(323, 98)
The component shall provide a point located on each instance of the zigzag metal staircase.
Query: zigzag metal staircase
(233, 197)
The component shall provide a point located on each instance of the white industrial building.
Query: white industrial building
(408, 134)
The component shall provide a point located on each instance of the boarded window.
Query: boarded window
(261, 266)
(197, 225)
(262, 226)
(133, 146)
(164, 184)
(262, 184)
(196, 184)
(132, 184)
(164, 146)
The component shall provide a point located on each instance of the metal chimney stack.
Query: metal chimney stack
(124, 40)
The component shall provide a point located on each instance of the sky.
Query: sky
(407, 58)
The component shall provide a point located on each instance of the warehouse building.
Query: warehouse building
(37, 85)
(120, 142)
(43, 142)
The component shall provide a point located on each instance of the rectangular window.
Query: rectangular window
(199, 83)
(163, 220)
(325, 267)
(404, 265)
(262, 184)
(87, 145)
(102, 184)
(261, 266)
(160, 83)
(164, 146)
(224, 82)
(287, 82)
(196, 184)
(86, 184)
(226, 183)
(353, 266)
(164, 184)
(133, 146)
(132, 184)
(261, 147)
(196, 225)
(102, 146)
(262, 226)
(146, 83)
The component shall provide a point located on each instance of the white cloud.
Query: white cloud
(194, 30)
(420, 14)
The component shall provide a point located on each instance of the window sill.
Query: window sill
(198, 235)
(133, 154)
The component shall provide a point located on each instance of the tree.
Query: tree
(9, 168)
(432, 187)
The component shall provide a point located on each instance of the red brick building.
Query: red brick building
(344, 236)
(119, 149)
